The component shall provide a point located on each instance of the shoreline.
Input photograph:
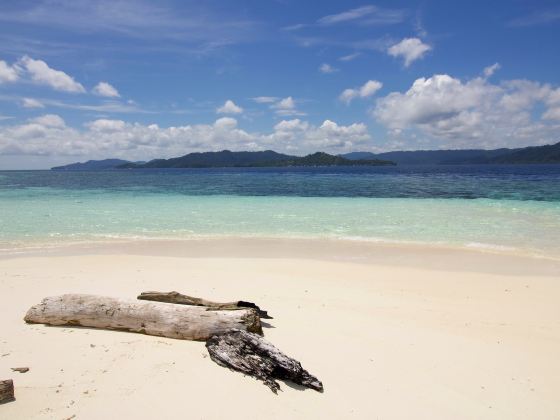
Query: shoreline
(408, 254)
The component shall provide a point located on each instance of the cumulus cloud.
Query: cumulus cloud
(327, 68)
(367, 89)
(8, 73)
(286, 103)
(103, 124)
(472, 113)
(286, 107)
(48, 135)
(225, 123)
(42, 74)
(229, 107)
(106, 90)
(49, 120)
(283, 107)
(328, 136)
(410, 49)
(31, 103)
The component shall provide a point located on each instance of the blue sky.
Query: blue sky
(140, 80)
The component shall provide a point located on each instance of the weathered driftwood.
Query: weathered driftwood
(252, 355)
(152, 318)
(20, 369)
(6, 391)
(178, 298)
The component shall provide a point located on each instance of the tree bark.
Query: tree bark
(252, 355)
(178, 298)
(152, 318)
(6, 391)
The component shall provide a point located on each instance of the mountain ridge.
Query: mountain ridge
(547, 154)
(266, 158)
(525, 155)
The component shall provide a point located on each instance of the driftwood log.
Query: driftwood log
(178, 298)
(252, 355)
(6, 391)
(152, 318)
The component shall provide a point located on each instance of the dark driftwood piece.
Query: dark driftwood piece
(6, 391)
(176, 297)
(152, 318)
(252, 355)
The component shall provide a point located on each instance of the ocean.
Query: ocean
(502, 208)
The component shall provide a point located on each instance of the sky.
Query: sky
(139, 80)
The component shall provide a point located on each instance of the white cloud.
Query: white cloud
(490, 70)
(49, 120)
(31, 103)
(365, 15)
(328, 136)
(8, 73)
(327, 68)
(352, 14)
(283, 107)
(286, 103)
(370, 88)
(291, 125)
(367, 89)
(286, 107)
(552, 114)
(42, 74)
(105, 89)
(410, 49)
(348, 95)
(103, 124)
(102, 138)
(473, 113)
(350, 57)
(265, 99)
(540, 17)
(108, 106)
(229, 107)
(225, 123)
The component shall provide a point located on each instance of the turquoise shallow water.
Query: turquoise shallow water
(75, 209)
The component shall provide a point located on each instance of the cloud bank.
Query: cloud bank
(473, 113)
(48, 135)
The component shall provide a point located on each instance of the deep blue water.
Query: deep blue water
(514, 182)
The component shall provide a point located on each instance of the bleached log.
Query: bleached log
(178, 298)
(252, 355)
(152, 318)
(6, 391)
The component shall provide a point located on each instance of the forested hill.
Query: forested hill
(534, 154)
(267, 158)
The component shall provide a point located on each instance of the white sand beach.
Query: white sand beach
(393, 333)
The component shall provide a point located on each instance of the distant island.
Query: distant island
(227, 159)
(533, 154)
(92, 165)
(268, 158)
